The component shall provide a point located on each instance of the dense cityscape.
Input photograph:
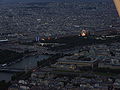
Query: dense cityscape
(60, 45)
(44, 19)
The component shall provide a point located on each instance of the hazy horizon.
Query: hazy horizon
(16, 1)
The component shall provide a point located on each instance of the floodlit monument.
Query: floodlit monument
(84, 33)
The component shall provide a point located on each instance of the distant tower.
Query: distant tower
(37, 39)
(26, 68)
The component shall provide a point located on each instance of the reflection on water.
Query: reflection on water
(28, 62)
(5, 76)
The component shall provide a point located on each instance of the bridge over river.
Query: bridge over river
(11, 70)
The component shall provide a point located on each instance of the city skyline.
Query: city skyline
(60, 45)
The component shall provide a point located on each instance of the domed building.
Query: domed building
(84, 33)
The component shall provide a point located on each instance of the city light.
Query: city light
(43, 39)
(84, 33)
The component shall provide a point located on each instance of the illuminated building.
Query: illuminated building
(84, 33)
(49, 38)
(42, 39)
